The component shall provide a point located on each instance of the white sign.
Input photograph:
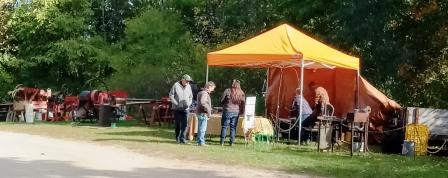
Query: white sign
(249, 114)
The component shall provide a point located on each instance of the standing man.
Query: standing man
(204, 110)
(181, 98)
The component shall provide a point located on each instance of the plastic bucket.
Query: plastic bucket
(29, 114)
(358, 146)
(38, 116)
(105, 115)
(21, 117)
(408, 148)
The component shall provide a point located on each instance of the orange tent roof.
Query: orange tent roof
(283, 46)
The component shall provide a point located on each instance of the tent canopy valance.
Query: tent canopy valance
(283, 46)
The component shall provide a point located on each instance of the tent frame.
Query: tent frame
(302, 67)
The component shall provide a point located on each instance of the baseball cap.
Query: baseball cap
(187, 78)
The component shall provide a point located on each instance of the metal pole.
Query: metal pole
(278, 105)
(358, 75)
(206, 75)
(301, 100)
(266, 94)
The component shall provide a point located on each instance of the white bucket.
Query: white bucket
(38, 116)
(29, 114)
(21, 119)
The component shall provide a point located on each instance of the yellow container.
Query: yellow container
(347, 136)
(418, 134)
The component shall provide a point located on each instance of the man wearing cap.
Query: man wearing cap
(181, 98)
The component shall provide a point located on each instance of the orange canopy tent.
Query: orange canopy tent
(281, 47)
(292, 59)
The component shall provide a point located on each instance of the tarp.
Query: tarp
(282, 46)
(341, 87)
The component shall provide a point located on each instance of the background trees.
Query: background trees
(144, 45)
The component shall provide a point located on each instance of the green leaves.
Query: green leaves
(402, 44)
(156, 51)
(6, 34)
(55, 47)
(68, 62)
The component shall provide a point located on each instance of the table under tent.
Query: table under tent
(293, 60)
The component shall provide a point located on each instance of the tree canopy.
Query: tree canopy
(144, 45)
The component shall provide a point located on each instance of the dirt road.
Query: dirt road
(30, 156)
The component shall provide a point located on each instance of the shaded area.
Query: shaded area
(160, 135)
(153, 132)
(12, 167)
(340, 164)
(305, 159)
(132, 140)
(289, 158)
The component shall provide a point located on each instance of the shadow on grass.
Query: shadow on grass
(161, 133)
(341, 164)
(306, 159)
(134, 140)
(131, 123)
(125, 124)
(365, 167)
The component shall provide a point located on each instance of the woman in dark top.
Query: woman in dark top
(233, 100)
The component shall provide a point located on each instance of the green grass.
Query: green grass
(159, 141)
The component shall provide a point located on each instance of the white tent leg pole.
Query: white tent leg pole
(357, 90)
(266, 94)
(206, 75)
(301, 101)
(278, 105)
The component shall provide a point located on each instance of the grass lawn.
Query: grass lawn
(160, 141)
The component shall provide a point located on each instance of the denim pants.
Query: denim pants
(304, 134)
(229, 119)
(202, 127)
(181, 121)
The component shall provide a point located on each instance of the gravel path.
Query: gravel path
(30, 156)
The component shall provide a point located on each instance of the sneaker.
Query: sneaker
(203, 145)
(185, 143)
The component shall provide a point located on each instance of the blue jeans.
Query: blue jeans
(181, 121)
(304, 135)
(304, 116)
(202, 127)
(229, 119)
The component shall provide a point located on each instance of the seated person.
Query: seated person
(306, 109)
(306, 112)
(321, 99)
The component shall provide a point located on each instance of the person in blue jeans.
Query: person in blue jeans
(233, 101)
(204, 111)
(181, 98)
(306, 113)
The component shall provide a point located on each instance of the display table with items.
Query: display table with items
(262, 126)
(330, 131)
